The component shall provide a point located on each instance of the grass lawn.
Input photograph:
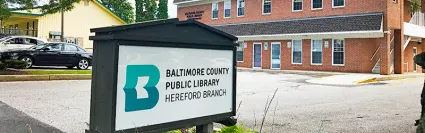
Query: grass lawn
(44, 72)
(48, 72)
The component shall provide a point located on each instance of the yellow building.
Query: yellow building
(77, 23)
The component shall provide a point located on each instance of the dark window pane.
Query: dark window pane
(267, 7)
(298, 5)
(296, 57)
(215, 14)
(239, 56)
(317, 58)
(276, 66)
(241, 11)
(339, 58)
(317, 3)
(339, 2)
(227, 13)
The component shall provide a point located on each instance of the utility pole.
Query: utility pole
(62, 22)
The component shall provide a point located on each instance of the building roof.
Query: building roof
(347, 23)
(97, 2)
(179, 1)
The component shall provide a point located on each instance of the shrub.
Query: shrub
(16, 64)
(3, 66)
(236, 129)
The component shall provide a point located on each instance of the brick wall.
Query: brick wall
(358, 53)
(282, 9)
(408, 56)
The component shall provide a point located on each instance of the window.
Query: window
(338, 52)
(297, 5)
(317, 4)
(296, 51)
(267, 6)
(214, 10)
(241, 8)
(70, 48)
(338, 3)
(55, 47)
(239, 52)
(227, 8)
(316, 52)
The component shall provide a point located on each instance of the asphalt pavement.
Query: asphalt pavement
(298, 106)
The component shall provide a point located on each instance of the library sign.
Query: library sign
(155, 84)
(155, 76)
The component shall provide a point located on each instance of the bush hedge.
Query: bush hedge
(16, 64)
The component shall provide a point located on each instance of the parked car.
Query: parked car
(51, 54)
(13, 42)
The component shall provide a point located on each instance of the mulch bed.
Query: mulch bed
(12, 72)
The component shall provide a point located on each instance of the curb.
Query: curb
(314, 73)
(9, 78)
(386, 78)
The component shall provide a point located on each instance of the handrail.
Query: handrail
(375, 53)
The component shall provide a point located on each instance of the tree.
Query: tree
(162, 9)
(122, 8)
(140, 4)
(150, 7)
(53, 6)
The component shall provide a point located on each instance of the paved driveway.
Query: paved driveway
(298, 106)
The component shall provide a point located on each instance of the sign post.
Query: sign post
(162, 75)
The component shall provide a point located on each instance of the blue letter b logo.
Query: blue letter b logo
(132, 75)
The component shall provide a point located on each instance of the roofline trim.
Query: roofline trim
(299, 19)
(304, 35)
(177, 3)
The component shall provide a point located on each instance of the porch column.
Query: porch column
(423, 39)
(398, 51)
(385, 55)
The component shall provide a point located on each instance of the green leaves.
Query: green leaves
(121, 8)
(162, 9)
(148, 10)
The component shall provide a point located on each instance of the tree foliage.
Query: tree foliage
(162, 9)
(53, 6)
(122, 8)
(148, 10)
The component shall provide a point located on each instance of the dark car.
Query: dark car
(51, 54)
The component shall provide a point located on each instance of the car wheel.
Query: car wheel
(29, 61)
(70, 67)
(83, 64)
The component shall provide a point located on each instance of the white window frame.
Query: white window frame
(224, 8)
(312, 8)
(212, 10)
(311, 58)
(253, 55)
(270, 7)
(333, 45)
(333, 4)
(293, 5)
(237, 8)
(292, 53)
(271, 55)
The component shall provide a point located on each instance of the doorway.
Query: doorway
(257, 58)
(275, 55)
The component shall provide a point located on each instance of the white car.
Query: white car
(14, 42)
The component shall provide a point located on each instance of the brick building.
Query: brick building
(362, 36)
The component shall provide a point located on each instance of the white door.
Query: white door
(275, 55)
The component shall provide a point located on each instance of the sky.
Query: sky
(172, 9)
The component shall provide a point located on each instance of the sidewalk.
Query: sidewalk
(338, 78)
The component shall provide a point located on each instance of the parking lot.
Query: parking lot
(390, 106)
